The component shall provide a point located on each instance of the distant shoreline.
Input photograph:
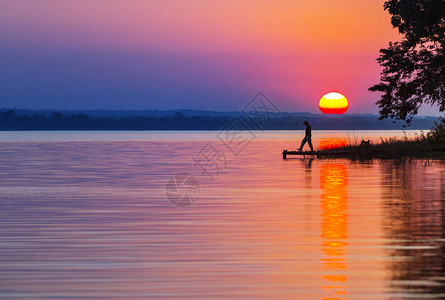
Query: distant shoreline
(10, 120)
(202, 129)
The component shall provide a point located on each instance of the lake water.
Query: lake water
(205, 215)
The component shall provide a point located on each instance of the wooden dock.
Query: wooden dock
(318, 154)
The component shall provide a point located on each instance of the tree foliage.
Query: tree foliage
(413, 68)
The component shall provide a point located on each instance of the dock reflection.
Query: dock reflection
(334, 228)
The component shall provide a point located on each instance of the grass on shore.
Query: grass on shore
(425, 145)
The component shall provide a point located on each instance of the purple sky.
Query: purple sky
(202, 54)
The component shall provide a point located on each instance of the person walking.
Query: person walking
(307, 137)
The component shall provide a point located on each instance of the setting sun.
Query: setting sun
(333, 103)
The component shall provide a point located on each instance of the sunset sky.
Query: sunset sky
(211, 55)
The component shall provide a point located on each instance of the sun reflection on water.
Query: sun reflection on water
(334, 227)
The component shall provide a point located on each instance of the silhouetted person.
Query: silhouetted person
(307, 137)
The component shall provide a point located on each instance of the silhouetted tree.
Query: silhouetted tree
(8, 114)
(179, 115)
(413, 68)
(56, 115)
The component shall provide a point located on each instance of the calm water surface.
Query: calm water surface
(86, 214)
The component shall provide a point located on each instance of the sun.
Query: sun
(333, 103)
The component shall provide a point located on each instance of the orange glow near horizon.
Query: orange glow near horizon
(333, 103)
(200, 54)
(329, 143)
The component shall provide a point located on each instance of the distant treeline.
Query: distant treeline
(10, 120)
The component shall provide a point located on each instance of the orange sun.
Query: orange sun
(333, 103)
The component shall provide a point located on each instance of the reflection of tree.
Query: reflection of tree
(414, 196)
(334, 225)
